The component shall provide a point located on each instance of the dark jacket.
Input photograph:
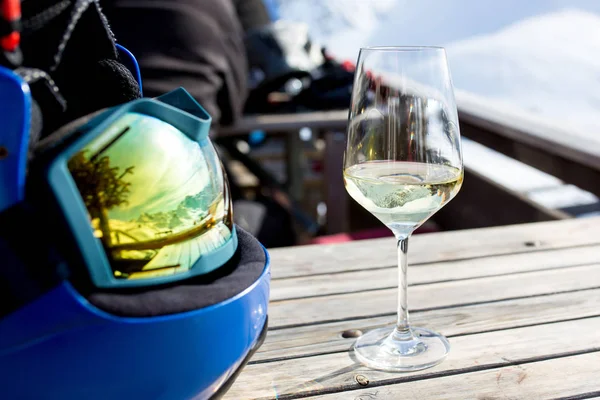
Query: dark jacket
(196, 44)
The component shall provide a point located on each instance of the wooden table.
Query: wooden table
(520, 305)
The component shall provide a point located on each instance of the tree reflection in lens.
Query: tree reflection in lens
(156, 209)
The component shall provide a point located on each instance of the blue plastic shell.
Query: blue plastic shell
(15, 114)
(60, 347)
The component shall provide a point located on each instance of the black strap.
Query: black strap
(8, 27)
(47, 101)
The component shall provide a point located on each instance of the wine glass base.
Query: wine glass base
(380, 349)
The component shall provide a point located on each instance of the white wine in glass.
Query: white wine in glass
(402, 163)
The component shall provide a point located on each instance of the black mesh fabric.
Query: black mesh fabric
(244, 268)
(70, 41)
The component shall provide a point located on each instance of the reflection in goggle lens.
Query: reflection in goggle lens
(156, 199)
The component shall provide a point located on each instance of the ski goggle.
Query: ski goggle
(144, 193)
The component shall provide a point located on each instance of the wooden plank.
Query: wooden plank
(436, 295)
(482, 202)
(569, 157)
(549, 379)
(337, 372)
(352, 281)
(435, 247)
(185, 259)
(295, 164)
(336, 197)
(567, 170)
(539, 134)
(327, 338)
(168, 256)
(586, 396)
(194, 251)
(211, 240)
(336, 120)
(503, 169)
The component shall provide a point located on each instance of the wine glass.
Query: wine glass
(402, 163)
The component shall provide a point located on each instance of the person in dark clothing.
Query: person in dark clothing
(200, 45)
(252, 13)
(191, 43)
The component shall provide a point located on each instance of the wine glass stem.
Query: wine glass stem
(402, 325)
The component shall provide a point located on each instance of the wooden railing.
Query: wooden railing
(483, 202)
(568, 156)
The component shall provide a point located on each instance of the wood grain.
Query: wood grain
(368, 279)
(572, 158)
(482, 202)
(503, 303)
(337, 199)
(550, 379)
(437, 295)
(435, 247)
(527, 130)
(327, 338)
(337, 372)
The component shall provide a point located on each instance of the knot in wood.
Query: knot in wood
(351, 333)
(533, 243)
(362, 380)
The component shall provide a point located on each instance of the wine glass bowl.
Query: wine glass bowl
(402, 163)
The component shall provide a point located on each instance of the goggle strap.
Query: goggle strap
(46, 97)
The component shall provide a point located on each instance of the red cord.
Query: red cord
(11, 41)
(11, 12)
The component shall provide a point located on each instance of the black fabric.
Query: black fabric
(71, 42)
(234, 277)
(28, 268)
(107, 83)
(277, 225)
(252, 13)
(197, 44)
(46, 149)
(45, 92)
(8, 27)
(36, 123)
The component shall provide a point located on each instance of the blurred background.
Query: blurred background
(539, 56)
(527, 81)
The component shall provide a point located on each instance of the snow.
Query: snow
(547, 65)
